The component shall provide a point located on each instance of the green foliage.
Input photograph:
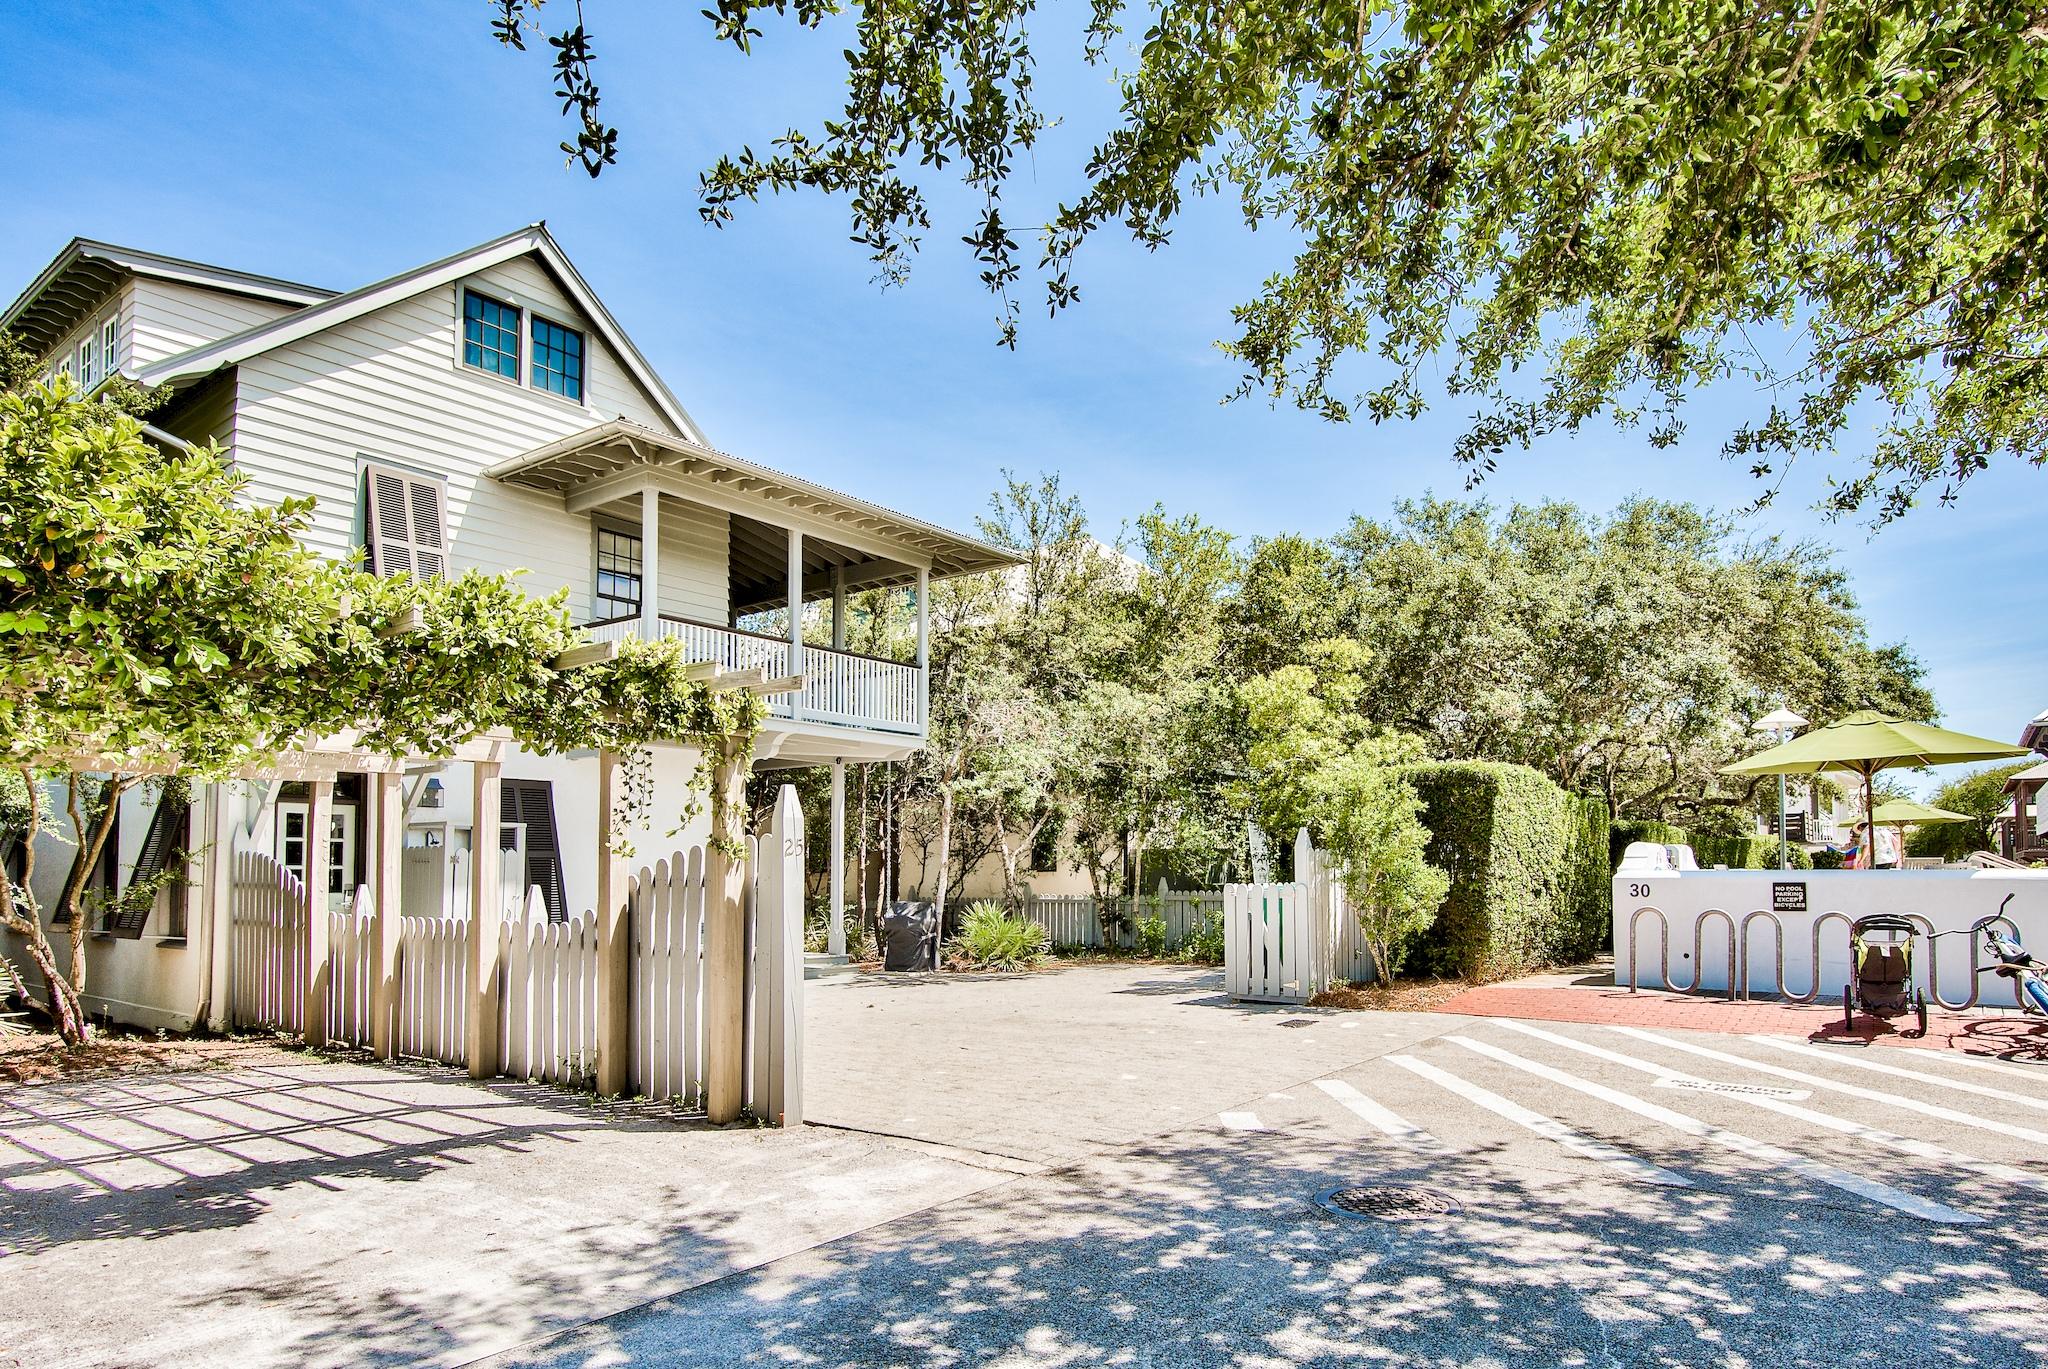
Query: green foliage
(991, 939)
(1825, 859)
(1748, 852)
(1621, 655)
(1204, 945)
(1627, 199)
(1590, 896)
(1512, 844)
(1150, 933)
(1368, 820)
(1982, 796)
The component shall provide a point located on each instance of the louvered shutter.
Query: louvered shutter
(406, 532)
(533, 803)
(165, 839)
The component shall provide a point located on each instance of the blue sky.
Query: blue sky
(336, 144)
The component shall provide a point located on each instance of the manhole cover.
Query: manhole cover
(1392, 1202)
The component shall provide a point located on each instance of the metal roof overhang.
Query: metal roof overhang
(870, 546)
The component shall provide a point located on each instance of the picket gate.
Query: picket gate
(267, 954)
(1286, 943)
(547, 1019)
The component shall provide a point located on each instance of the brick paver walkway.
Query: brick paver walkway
(1992, 1033)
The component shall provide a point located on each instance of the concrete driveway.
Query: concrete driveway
(1093, 1166)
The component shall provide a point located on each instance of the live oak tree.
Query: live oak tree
(1597, 207)
(154, 621)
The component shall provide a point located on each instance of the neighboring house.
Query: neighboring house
(482, 411)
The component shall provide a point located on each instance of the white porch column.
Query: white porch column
(319, 983)
(924, 651)
(796, 602)
(835, 941)
(485, 917)
(650, 563)
(839, 608)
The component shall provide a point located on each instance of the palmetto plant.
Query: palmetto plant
(991, 939)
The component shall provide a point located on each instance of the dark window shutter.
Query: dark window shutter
(533, 803)
(406, 529)
(165, 839)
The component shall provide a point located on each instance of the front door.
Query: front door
(340, 852)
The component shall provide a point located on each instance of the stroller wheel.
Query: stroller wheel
(1848, 1010)
(1920, 1009)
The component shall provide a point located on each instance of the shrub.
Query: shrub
(1507, 837)
(1204, 945)
(1151, 934)
(1590, 902)
(990, 939)
(1825, 859)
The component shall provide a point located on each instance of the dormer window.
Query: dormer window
(490, 335)
(557, 359)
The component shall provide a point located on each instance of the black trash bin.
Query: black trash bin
(909, 936)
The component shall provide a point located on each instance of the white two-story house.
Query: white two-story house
(485, 410)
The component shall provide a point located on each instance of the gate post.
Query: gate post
(725, 942)
(485, 916)
(614, 941)
(387, 810)
(319, 983)
(778, 966)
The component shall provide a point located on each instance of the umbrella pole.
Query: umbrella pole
(1870, 819)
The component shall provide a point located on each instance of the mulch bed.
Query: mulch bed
(1403, 995)
(39, 1057)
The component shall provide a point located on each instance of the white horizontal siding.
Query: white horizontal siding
(390, 387)
(695, 543)
(166, 318)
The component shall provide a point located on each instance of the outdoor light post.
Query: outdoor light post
(1780, 723)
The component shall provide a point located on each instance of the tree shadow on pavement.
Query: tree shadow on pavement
(1208, 1249)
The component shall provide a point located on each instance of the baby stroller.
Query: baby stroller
(1881, 971)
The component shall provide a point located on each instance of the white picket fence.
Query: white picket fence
(1076, 919)
(548, 975)
(1286, 943)
(433, 988)
(267, 951)
(547, 1014)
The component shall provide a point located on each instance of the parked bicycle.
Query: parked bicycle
(2014, 961)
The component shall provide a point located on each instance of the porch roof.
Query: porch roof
(876, 547)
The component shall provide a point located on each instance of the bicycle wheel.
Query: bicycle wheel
(2035, 990)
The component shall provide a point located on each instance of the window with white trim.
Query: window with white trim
(110, 343)
(89, 361)
(406, 523)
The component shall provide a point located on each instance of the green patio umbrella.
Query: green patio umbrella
(1906, 813)
(1865, 743)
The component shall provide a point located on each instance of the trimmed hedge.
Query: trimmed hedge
(1528, 868)
(1642, 829)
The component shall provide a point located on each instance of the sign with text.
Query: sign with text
(1788, 897)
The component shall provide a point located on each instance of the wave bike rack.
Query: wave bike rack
(1739, 961)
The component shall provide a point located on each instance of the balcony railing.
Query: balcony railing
(843, 688)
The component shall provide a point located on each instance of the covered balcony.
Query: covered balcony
(700, 546)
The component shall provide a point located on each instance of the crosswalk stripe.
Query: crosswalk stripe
(1642, 1171)
(1242, 1121)
(1906, 1145)
(1397, 1128)
(1895, 1100)
(1910, 1203)
(1843, 1057)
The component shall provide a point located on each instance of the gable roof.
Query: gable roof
(533, 239)
(83, 274)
